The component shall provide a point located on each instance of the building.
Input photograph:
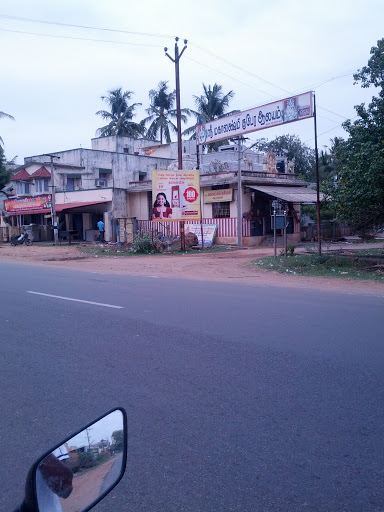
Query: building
(112, 181)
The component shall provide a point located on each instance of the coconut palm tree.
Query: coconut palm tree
(162, 112)
(8, 116)
(121, 115)
(211, 105)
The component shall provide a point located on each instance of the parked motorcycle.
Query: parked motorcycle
(80, 470)
(22, 239)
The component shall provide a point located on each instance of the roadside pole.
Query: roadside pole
(239, 198)
(54, 219)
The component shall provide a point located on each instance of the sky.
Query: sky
(59, 58)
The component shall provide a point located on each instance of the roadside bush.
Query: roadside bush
(143, 244)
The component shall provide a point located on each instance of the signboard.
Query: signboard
(28, 203)
(176, 195)
(218, 196)
(280, 221)
(209, 231)
(279, 112)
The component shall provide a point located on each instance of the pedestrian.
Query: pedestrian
(100, 227)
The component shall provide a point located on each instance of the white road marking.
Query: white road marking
(77, 300)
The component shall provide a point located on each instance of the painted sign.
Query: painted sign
(176, 195)
(218, 196)
(209, 231)
(28, 203)
(279, 112)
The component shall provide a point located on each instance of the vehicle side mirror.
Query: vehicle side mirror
(80, 471)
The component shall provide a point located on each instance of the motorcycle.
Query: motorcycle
(79, 472)
(22, 239)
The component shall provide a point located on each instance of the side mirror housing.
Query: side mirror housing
(81, 470)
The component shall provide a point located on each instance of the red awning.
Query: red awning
(69, 206)
(59, 208)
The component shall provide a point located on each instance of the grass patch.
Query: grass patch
(365, 265)
(114, 251)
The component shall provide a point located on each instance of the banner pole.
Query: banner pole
(317, 180)
(239, 197)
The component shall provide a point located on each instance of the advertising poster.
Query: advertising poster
(175, 195)
(28, 203)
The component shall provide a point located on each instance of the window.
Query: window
(22, 188)
(104, 176)
(41, 185)
(221, 210)
(70, 184)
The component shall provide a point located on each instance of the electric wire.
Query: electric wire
(147, 34)
(88, 27)
(80, 38)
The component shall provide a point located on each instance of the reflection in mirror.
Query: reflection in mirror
(85, 467)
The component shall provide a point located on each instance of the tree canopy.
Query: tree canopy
(162, 112)
(211, 105)
(7, 116)
(291, 147)
(358, 192)
(5, 175)
(120, 115)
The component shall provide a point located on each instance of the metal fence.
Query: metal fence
(225, 227)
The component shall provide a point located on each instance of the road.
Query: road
(239, 398)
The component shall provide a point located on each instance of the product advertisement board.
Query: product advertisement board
(279, 112)
(175, 195)
(28, 203)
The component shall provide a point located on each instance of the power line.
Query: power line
(147, 34)
(229, 76)
(88, 27)
(79, 38)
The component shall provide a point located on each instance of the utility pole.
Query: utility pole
(54, 220)
(176, 60)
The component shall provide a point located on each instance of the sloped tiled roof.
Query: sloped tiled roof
(21, 175)
(41, 173)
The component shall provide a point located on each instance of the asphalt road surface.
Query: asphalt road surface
(239, 398)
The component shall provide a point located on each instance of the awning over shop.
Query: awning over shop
(70, 206)
(290, 194)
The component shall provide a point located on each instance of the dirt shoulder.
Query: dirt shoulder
(232, 267)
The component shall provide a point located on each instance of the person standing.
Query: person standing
(100, 227)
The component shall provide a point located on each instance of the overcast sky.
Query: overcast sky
(59, 58)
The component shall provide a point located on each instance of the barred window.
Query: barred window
(221, 210)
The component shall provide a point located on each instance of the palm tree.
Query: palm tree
(214, 103)
(8, 116)
(161, 112)
(211, 105)
(121, 115)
